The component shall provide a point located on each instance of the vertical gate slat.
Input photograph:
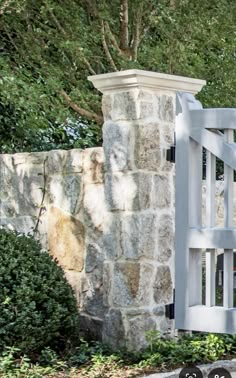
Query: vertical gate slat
(195, 220)
(210, 222)
(228, 222)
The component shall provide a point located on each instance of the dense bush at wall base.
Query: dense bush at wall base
(37, 305)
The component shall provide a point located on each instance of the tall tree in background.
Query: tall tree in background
(49, 47)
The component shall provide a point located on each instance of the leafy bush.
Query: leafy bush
(37, 305)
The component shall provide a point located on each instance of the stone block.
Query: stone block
(132, 284)
(137, 327)
(112, 236)
(107, 283)
(95, 208)
(162, 191)
(90, 328)
(92, 294)
(94, 258)
(134, 191)
(163, 286)
(147, 147)
(66, 238)
(165, 237)
(93, 166)
(118, 144)
(107, 103)
(74, 161)
(74, 279)
(65, 192)
(61, 161)
(146, 109)
(139, 236)
(124, 106)
(113, 329)
(167, 108)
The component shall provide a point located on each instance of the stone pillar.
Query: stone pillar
(139, 124)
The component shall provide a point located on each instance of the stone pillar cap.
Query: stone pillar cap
(116, 81)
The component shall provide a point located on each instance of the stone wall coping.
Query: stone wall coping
(145, 79)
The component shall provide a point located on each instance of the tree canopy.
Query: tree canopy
(49, 47)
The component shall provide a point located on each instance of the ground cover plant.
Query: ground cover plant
(95, 360)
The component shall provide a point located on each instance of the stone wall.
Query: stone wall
(107, 214)
(63, 193)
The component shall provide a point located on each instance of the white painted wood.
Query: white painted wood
(195, 220)
(214, 142)
(212, 238)
(181, 212)
(211, 319)
(191, 237)
(210, 222)
(213, 118)
(228, 222)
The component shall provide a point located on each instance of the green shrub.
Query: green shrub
(37, 305)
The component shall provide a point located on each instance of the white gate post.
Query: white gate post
(139, 125)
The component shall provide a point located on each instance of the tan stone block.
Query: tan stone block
(93, 166)
(66, 239)
(132, 284)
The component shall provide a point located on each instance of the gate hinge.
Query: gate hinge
(170, 308)
(170, 153)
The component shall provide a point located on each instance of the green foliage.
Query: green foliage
(98, 360)
(50, 46)
(186, 350)
(37, 305)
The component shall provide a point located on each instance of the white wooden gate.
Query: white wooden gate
(212, 129)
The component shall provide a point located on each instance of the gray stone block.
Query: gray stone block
(148, 147)
(165, 238)
(163, 286)
(139, 236)
(137, 327)
(113, 329)
(118, 144)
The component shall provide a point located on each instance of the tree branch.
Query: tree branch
(137, 31)
(124, 25)
(83, 112)
(105, 48)
(112, 37)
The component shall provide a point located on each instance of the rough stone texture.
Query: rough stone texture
(113, 329)
(118, 142)
(132, 284)
(137, 191)
(66, 233)
(147, 147)
(139, 236)
(165, 238)
(138, 326)
(163, 285)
